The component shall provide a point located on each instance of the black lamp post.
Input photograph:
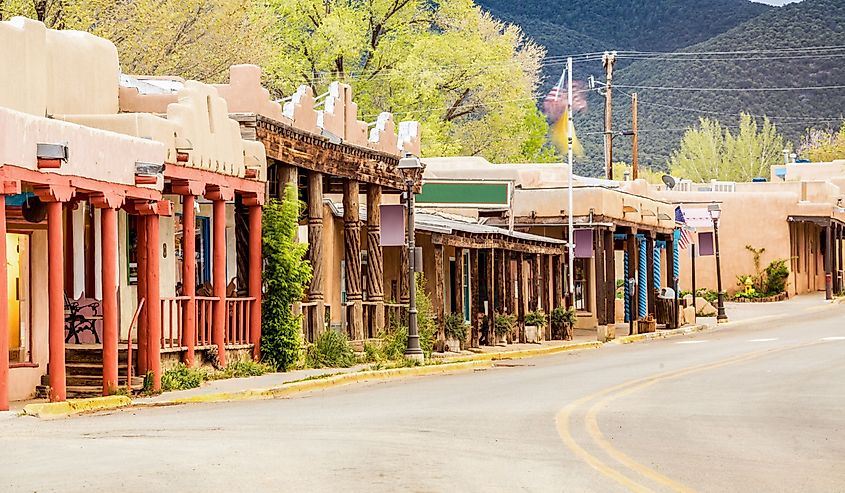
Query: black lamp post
(410, 166)
(715, 212)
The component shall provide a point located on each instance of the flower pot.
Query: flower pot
(453, 344)
(532, 334)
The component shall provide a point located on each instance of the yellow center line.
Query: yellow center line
(624, 389)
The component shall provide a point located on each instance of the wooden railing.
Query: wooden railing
(237, 320)
(129, 345)
(172, 310)
(204, 307)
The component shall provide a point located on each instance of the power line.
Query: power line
(733, 89)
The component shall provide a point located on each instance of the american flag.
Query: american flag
(556, 102)
(686, 234)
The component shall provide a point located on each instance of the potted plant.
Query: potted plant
(456, 332)
(564, 319)
(502, 326)
(535, 322)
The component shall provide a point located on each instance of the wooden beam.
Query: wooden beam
(489, 242)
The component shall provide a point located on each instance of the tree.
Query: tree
(194, 39)
(469, 79)
(822, 145)
(710, 152)
(286, 274)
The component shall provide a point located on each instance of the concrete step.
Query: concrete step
(82, 391)
(90, 354)
(90, 369)
(93, 380)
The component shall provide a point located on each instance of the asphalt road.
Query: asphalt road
(754, 407)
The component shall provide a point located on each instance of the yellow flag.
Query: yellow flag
(560, 137)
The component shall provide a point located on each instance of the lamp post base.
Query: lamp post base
(721, 317)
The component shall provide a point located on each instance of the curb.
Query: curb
(76, 406)
(323, 383)
(663, 334)
(525, 353)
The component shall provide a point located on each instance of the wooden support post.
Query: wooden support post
(189, 277)
(141, 289)
(475, 308)
(315, 256)
(255, 283)
(352, 255)
(522, 298)
(55, 291)
(218, 278)
(4, 312)
(631, 244)
(549, 297)
(670, 273)
(287, 175)
(635, 167)
(534, 288)
(649, 287)
(153, 301)
(828, 262)
(110, 301)
(491, 296)
(439, 309)
(610, 276)
(458, 285)
(600, 272)
(375, 260)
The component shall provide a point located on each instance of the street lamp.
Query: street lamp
(410, 166)
(715, 211)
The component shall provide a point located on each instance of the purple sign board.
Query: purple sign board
(705, 244)
(583, 243)
(392, 224)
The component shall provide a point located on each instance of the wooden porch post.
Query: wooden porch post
(255, 271)
(649, 287)
(108, 205)
(520, 294)
(218, 276)
(315, 254)
(153, 303)
(610, 276)
(141, 290)
(55, 196)
(189, 276)
(375, 260)
(458, 285)
(4, 312)
(475, 306)
(439, 308)
(632, 274)
(828, 261)
(491, 294)
(534, 289)
(600, 272)
(352, 255)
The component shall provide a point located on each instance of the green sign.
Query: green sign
(481, 194)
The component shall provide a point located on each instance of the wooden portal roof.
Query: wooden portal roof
(325, 154)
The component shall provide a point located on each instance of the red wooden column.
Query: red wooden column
(189, 191)
(219, 196)
(54, 196)
(255, 269)
(152, 211)
(108, 204)
(141, 289)
(10, 188)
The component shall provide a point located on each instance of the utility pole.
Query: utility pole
(635, 169)
(607, 60)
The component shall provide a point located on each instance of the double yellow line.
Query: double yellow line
(602, 398)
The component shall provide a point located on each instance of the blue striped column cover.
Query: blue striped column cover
(627, 292)
(643, 279)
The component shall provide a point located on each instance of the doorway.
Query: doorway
(17, 265)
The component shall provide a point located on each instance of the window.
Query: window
(18, 300)
(581, 286)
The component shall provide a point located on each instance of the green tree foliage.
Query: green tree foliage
(468, 78)
(711, 152)
(286, 274)
(823, 145)
(194, 39)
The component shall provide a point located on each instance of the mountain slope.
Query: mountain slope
(664, 113)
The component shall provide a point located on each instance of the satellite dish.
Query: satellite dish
(33, 210)
(669, 181)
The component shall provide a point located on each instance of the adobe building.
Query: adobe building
(618, 234)
(142, 198)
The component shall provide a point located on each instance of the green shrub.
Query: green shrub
(243, 368)
(181, 377)
(330, 350)
(777, 274)
(455, 327)
(536, 318)
(286, 274)
(564, 317)
(503, 324)
(394, 340)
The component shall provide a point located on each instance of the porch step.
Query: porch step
(91, 353)
(91, 369)
(82, 391)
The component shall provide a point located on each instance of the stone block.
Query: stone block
(605, 333)
(704, 308)
(688, 315)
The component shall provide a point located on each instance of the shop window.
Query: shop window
(581, 285)
(18, 299)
